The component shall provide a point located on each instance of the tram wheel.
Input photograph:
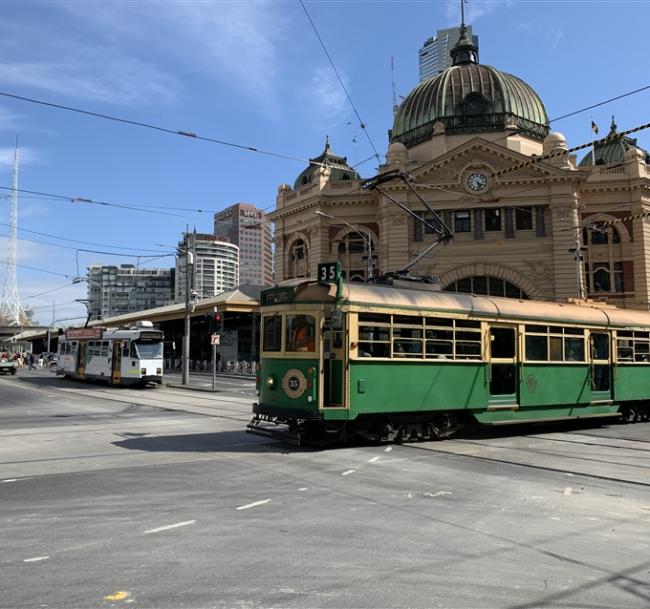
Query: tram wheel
(630, 414)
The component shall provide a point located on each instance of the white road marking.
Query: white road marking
(373, 459)
(304, 488)
(388, 449)
(254, 504)
(568, 490)
(9, 480)
(348, 472)
(438, 494)
(568, 474)
(171, 526)
(36, 559)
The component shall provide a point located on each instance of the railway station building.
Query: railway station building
(529, 220)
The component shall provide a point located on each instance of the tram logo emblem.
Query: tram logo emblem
(531, 383)
(294, 383)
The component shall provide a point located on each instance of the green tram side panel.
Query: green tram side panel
(554, 385)
(277, 397)
(409, 386)
(632, 382)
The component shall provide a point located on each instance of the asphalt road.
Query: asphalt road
(159, 499)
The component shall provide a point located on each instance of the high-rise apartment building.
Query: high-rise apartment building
(216, 266)
(435, 54)
(115, 290)
(246, 226)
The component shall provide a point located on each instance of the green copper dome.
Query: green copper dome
(469, 98)
(338, 165)
(612, 150)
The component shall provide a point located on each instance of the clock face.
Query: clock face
(477, 182)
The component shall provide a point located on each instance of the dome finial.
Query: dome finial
(328, 148)
(613, 126)
(464, 51)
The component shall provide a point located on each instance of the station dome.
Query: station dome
(612, 149)
(337, 165)
(469, 98)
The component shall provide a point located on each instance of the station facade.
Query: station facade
(529, 220)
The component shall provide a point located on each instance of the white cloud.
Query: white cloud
(26, 156)
(235, 43)
(326, 98)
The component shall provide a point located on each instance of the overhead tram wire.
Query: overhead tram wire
(34, 268)
(179, 132)
(362, 125)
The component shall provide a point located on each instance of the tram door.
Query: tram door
(81, 359)
(116, 363)
(601, 369)
(502, 367)
(334, 361)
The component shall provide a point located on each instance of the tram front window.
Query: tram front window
(148, 350)
(301, 332)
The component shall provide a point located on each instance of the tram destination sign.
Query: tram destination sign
(281, 296)
(83, 333)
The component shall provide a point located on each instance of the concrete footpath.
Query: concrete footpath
(202, 381)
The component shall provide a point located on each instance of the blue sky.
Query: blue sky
(254, 74)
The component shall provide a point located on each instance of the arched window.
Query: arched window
(474, 104)
(603, 259)
(298, 265)
(487, 286)
(353, 255)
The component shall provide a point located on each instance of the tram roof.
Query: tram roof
(379, 297)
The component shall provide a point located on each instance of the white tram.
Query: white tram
(125, 356)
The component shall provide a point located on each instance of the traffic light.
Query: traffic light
(216, 323)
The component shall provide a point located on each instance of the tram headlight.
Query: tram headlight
(270, 382)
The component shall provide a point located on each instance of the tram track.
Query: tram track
(522, 463)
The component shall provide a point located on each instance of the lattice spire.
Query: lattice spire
(10, 310)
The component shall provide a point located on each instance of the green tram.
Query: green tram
(385, 363)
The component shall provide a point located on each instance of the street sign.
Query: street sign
(215, 339)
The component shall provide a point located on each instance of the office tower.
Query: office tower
(435, 52)
(246, 226)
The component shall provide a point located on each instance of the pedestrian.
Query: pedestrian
(30, 359)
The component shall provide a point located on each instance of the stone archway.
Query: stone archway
(495, 271)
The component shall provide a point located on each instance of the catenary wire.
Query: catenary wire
(362, 125)
(180, 132)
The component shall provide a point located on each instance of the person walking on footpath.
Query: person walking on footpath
(30, 359)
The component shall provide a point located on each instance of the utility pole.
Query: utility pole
(189, 264)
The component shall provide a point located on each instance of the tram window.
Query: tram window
(125, 349)
(374, 317)
(402, 332)
(373, 333)
(467, 323)
(440, 349)
(439, 321)
(537, 348)
(407, 319)
(574, 349)
(555, 350)
(132, 351)
(537, 329)
(574, 331)
(407, 348)
(301, 330)
(374, 349)
(625, 333)
(625, 350)
(503, 342)
(272, 333)
(467, 350)
(600, 346)
(641, 352)
(440, 334)
(104, 348)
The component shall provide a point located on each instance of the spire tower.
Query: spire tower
(11, 312)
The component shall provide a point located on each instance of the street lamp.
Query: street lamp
(365, 236)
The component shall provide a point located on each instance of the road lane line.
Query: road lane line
(9, 480)
(254, 504)
(304, 488)
(348, 472)
(373, 459)
(388, 449)
(36, 559)
(568, 490)
(171, 526)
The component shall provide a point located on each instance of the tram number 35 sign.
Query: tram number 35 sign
(329, 271)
